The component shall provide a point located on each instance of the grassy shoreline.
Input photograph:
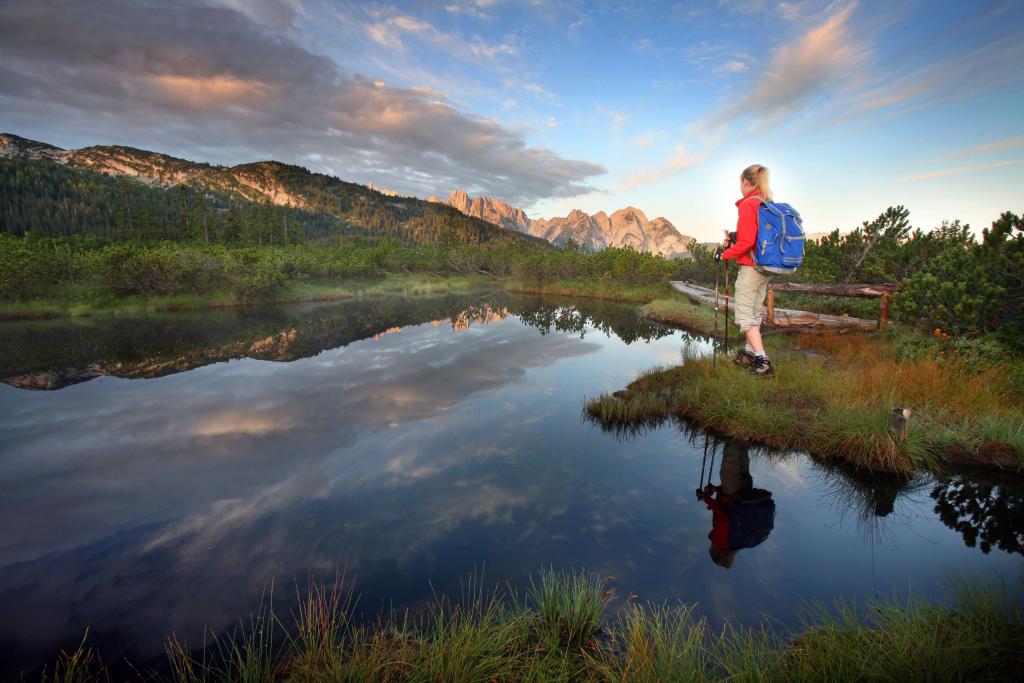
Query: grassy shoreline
(83, 300)
(831, 397)
(560, 629)
(88, 301)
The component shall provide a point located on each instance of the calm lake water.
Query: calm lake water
(156, 473)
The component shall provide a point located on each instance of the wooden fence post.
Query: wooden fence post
(771, 304)
(884, 319)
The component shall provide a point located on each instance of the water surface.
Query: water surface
(156, 473)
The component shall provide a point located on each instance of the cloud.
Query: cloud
(535, 89)
(681, 160)
(744, 6)
(474, 8)
(209, 82)
(967, 73)
(734, 66)
(942, 173)
(647, 138)
(790, 10)
(617, 119)
(815, 64)
(999, 146)
(388, 30)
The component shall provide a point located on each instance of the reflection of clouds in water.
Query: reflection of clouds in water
(96, 446)
(237, 422)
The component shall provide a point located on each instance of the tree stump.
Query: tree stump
(899, 421)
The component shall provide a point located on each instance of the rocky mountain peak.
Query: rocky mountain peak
(625, 227)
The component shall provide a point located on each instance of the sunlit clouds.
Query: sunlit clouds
(549, 106)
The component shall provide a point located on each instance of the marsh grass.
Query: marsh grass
(657, 643)
(83, 665)
(561, 630)
(569, 606)
(831, 396)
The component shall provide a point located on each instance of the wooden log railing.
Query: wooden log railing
(794, 319)
(880, 291)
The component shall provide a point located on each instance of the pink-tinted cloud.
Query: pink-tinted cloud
(187, 76)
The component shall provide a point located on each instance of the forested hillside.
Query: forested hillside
(45, 197)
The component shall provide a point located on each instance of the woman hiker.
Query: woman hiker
(751, 284)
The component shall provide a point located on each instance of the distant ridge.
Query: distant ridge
(625, 227)
(351, 206)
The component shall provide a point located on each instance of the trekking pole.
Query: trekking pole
(726, 330)
(714, 339)
(711, 470)
(703, 462)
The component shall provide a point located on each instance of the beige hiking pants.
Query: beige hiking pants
(751, 289)
(735, 469)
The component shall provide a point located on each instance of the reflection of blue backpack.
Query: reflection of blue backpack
(752, 518)
(780, 239)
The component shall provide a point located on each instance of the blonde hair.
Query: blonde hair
(757, 175)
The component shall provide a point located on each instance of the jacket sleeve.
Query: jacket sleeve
(746, 230)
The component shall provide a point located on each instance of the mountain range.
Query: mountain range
(352, 208)
(50, 190)
(625, 227)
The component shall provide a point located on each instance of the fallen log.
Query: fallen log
(784, 317)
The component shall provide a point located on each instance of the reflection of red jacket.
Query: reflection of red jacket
(720, 506)
(746, 230)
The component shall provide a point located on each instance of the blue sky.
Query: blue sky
(854, 106)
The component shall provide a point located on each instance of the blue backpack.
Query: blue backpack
(751, 519)
(780, 239)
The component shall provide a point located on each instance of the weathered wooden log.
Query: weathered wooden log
(783, 317)
(883, 317)
(771, 306)
(899, 422)
(863, 291)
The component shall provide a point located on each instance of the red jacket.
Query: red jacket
(746, 230)
(721, 522)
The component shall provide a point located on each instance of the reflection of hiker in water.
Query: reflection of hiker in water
(742, 516)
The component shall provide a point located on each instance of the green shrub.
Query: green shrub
(130, 268)
(973, 289)
(255, 282)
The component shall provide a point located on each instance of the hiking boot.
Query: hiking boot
(743, 358)
(762, 367)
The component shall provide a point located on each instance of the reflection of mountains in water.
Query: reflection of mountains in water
(54, 354)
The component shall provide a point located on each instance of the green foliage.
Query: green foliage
(47, 198)
(701, 265)
(972, 290)
(32, 267)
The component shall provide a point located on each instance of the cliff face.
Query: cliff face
(491, 210)
(626, 227)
